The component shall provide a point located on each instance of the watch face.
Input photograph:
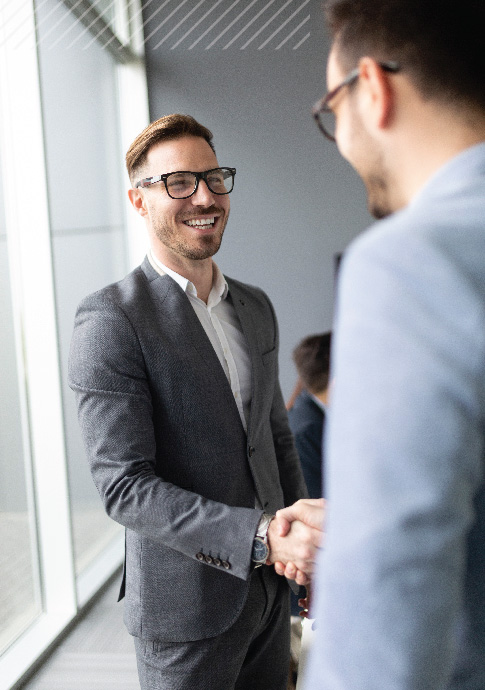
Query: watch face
(260, 551)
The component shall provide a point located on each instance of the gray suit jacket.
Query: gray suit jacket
(401, 587)
(169, 454)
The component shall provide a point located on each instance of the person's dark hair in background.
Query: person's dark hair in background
(312, 361)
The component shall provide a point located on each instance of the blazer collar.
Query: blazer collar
(246, 318)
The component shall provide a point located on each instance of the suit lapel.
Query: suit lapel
(188, 329)
(243, 311)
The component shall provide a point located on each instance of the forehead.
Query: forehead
(185, 153)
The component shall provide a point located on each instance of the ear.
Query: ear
(378, 92)
(137, 199)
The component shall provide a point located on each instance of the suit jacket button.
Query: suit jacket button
(208, 559)
(226, 565)
(217, 561)
(251, 451)
(199, 556)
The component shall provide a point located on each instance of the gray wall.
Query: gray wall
(296, 203)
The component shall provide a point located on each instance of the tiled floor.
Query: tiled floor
(97, 655)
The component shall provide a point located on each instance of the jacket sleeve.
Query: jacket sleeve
(107, 373)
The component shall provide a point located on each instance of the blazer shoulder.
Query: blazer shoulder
(251, 292)
(305, 413)
(134, 288)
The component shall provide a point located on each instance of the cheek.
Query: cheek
(162, 210)
(348, 139)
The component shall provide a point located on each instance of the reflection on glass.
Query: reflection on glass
(106, 10)
(79, 97)
(19, 581)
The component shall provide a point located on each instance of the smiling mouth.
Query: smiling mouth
(207, 222)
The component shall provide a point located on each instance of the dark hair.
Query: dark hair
(312, 360)
(166, 128)
(438, 43)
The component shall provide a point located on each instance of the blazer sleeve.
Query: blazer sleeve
(107, 373)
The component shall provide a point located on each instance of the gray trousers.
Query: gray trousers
(252, 655)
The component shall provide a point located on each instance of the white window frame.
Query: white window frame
(24, 177)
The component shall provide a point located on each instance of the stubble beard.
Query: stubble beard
(378, 196)
(371, 167)
(202, 247)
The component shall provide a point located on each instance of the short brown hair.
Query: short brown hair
(438, 43)
(165, 129)
(312, 361)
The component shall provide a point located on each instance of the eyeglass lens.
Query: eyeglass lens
(182, 184)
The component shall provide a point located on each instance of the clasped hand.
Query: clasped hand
(294, 537)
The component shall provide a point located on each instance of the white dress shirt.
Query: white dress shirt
(221, 325)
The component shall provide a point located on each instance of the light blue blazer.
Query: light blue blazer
(401, 582)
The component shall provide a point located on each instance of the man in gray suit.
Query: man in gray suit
(401, 587)
(176, 377)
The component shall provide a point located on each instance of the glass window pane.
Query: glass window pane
(19, 574)
(79, 97)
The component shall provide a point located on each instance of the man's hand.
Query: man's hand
(311, 511)
(299, 546)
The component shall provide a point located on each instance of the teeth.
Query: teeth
(200, 221)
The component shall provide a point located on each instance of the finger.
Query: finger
(314, 502)
(284, 518)
(301, 578)
(291, 571)
(284, 526)
(310, 511)
(280, 568)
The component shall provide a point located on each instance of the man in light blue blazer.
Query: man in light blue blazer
(176, 376)
(400, 600)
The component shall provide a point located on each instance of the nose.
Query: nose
(203, 196)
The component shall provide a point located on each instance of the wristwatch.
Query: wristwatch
(260, 550)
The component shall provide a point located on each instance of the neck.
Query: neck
(428, 136)
(322, 396)
(200, 272)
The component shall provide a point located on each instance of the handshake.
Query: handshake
(294, 537)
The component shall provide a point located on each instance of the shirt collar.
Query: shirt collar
(219, 288)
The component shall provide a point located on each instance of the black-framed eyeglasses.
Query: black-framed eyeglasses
(184, 183)
(322, 111)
